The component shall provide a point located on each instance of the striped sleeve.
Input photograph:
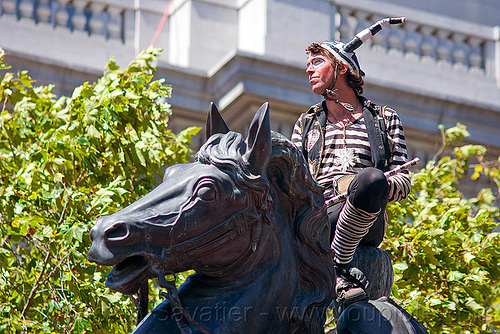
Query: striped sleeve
(297, 134)
(399, 187)
(399, 184)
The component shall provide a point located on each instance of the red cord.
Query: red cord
(162, 23)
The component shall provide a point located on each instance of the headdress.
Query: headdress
(345, 52)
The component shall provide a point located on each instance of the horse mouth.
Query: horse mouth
(128, 275)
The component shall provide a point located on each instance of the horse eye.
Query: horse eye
(206, 193)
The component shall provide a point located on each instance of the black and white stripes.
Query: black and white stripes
(352, 226)
(368, 33)
(399, 187)
(357, 141)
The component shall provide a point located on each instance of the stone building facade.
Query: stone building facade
(441, 67)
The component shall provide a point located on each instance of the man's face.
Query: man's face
(320, 71)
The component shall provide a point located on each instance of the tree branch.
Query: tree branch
(35, 287)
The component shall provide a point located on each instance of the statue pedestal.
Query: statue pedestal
(377, 314)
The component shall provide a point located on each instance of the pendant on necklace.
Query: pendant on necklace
(347, 106)
(345, 159)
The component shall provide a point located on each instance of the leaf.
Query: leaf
(473, 305)
(93, 132)
(74, 233)
(58, 177)
(455, 276)
(47, 231)
(18, 208)
(82, 140)
(435, 301)
(112, 65)
(400, 266)
(24, 78)
(468, 257)
(81, 325)
(477, 172)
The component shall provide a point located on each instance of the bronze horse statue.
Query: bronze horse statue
(251, 222)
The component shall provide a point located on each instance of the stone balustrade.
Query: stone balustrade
(104, 18)
(460, 44)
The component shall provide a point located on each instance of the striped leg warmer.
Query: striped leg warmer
(352, 226)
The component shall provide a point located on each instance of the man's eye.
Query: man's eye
(316, 63)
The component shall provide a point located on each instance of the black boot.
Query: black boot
(350, 285)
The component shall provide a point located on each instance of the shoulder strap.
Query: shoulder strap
(377, 135)
(375, 126)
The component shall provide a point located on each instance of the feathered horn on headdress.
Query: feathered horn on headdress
(345, 52)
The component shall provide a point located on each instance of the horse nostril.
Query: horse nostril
(118, 231)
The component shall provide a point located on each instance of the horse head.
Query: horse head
(247, 216)
(196, 209)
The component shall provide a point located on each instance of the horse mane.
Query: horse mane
(311, 234)
(225, 151)
(288, 173)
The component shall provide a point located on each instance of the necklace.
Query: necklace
(345, 105)
(332, 96)
(345, 158)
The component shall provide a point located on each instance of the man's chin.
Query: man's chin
(318, 90)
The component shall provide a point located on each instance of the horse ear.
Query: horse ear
(259, 141)
(215, 123)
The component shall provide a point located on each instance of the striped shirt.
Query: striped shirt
(346, 151)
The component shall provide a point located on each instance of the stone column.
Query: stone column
(96, 24)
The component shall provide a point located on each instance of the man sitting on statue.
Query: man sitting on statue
(349, 142)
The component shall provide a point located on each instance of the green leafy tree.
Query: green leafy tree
(445, 257)
(64, 162)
